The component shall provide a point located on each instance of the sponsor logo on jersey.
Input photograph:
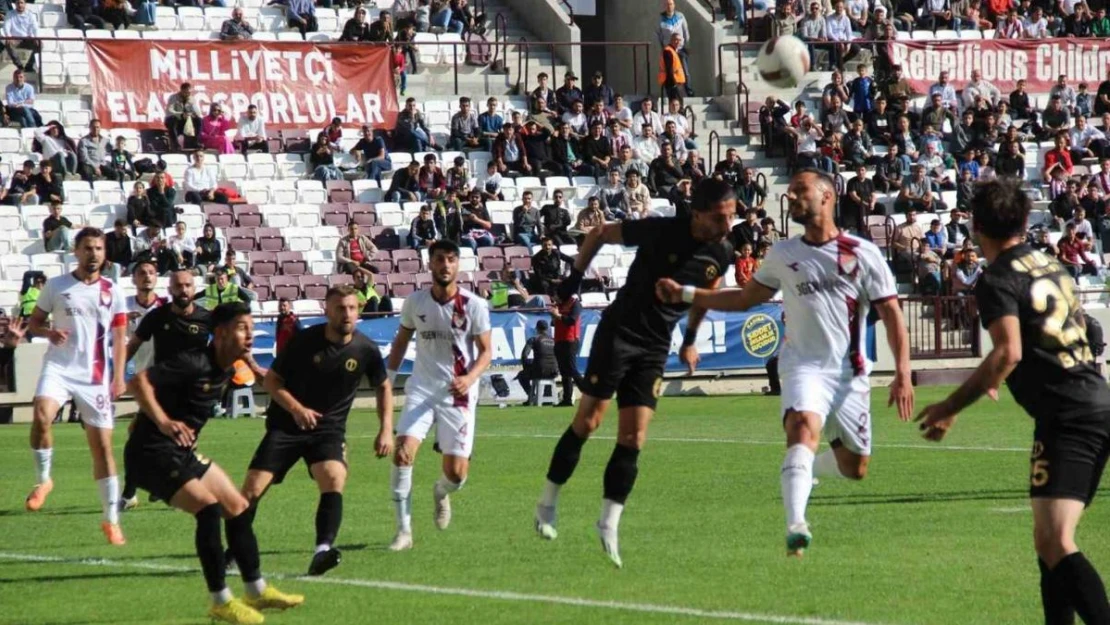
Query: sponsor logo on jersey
(351, 365)
(811, 287)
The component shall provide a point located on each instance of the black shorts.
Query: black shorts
(280, 450)
(1069, 456)
(617, 365)
(163, 469)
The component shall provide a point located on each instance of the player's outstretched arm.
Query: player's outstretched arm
(752, 295)
(901, 389)
(1005, 333)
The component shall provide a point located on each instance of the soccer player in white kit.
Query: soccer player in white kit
(829, 279)
(88, 315)
(144, 276)
(452, 331)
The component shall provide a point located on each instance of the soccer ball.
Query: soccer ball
(782, 61)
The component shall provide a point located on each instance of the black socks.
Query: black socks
(329, 514)
(620, 473)
(1079, 583)
(565, 458)
(244, 546)
(210, 549)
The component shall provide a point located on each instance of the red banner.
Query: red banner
(294, 85)
(1039, 62)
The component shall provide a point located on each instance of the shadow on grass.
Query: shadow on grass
(904, 498)
(96, 575)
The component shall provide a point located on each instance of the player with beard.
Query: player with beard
(79, 313)
(1028, 303)
(829, 279)
(452, 331)
(313, 383)
(179, 327)
(176, 398)
(633, 340)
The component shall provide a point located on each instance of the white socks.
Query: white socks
(43, 459)
(221, 597)
(610, 514)
(109, 498)
(254, 588)
(445, 486)
(550, 496)
(401, 481)
(826, 466)
(323, 547)
(797, 482)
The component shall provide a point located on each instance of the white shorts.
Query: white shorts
(844, 404)
(454, 423)
(93, 401)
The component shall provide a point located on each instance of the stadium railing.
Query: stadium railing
(942, 326)
(524, 60)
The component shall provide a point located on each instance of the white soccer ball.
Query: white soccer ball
(783, 61)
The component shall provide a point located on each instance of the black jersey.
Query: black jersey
(173, 333)
(667, 249)
(1056, 377)
(324, 376)
(190, 388)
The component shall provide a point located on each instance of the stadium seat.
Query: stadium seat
(313, 287)
(406, 261)
(292, 263)
(247, 215)
(270, 239)
(288, 287)
(263, 263)
(402, 284)
(335, 214)
(364, 215)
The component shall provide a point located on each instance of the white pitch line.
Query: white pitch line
(499, 595)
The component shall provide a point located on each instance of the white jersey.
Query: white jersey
(444, 335)
(828, 290)
(144, 357)
(88, 312)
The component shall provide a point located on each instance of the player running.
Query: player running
(313, 383)
(452, 332)
(162, 333)
(143, 276)
(177, 396)
(829, 280)
(1028, 304)
(88, 315)
(632, 341)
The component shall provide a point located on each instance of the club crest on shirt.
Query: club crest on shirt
(106, 298)
(847, 261)
(458, 320)
(711, 272)
(351, 365)
(193, 329)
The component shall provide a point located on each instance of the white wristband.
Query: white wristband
(391, 374)
(688, 293)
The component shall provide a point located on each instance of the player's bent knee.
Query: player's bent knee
(234, 505)
(455, 468)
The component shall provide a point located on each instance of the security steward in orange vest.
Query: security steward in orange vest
(671, 75)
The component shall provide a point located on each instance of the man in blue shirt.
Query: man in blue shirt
(302, 15)
(18, 98)
(373, 155)
(490, 124)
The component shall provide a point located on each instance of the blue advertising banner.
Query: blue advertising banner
(725, 340)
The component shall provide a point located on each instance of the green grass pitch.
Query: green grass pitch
(937, 535)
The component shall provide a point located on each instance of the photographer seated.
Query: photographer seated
(537, 360)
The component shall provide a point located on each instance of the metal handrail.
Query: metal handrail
(570, 12)
(712, 9)
(713, 148)
(692, 119)
(523, 60)
(500, 39)
(593, 44)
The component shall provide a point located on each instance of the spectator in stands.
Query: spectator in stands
(48, 187)
(19, 97)
(547, 267)
(807, 153)
(597, 152)
(92, 154)
(56, 230)
(748, 231)
(537, 146)
(929, 265)
(543, 93)
(58, 148)
(647, 147)
(382, 29)
(665, 171)
(857, 145)
(556, 221)
(222, 291)
(1058, 158)
(568, 94)
(627, 161)
(405, 186)
(251, 133)
(21, 30)
(356, 28)
(422, 230)
(618, 137)
(122, 167)
(859, 200)
(731, 169)
(1036, 26)
(301, 14)
(674, 138)
(334, 132)
(509, 154)
(835, 118)
(441, 18)
(1084, 101)
(526, 222)
(287, 325)
(464, 127)
(1010, 26)
(937, 113)
(368, 296)
(477, 227)
(905, 236)
(674, 31)
(403, 42)
(694, 167)
(206, 254)
(21, 188)
(937, 236)
(117, 245)
(373, 156)
(576, 119)
(433, 184)
(183, 115)
(412, 131)
(145, 12)
(507, 291)
(1011, 162)
(490, 124)
(1086, 140)
(139, 212)
(1021, 106)
(891, 170)
(965, 274)
(646, 117)
(150, 246)
(353, 253)
(544, 117)
(236, 28)
(182, 245)
(637, 197)
(916, 193)
(489, 184)
(200, 183)
(598, 91)
(672, 73)
(936, 14)
(935, 168)
(812, 30)
(965, 135)
(162, 198)
(565, 153)
(116, 13)
(978, 87)
(947, 92)
(782, 21)
(589, 218)
(213, 131)
(1073, 253)
(457, 177)
(838, 30)
(745, 265)
(956, 233)
(749, 193)
(235, 274)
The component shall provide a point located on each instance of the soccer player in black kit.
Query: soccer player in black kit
(176, 398)
(313, 383)
(1028, 304)
(633, 339)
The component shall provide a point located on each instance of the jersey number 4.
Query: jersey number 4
(1056, 300)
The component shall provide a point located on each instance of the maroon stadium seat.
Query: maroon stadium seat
(270, 239)
(521, 263)
(423, 280)
(339, 191)
(340, 279)
(335, 214)
(261, 288)
(383, 261)
(517, 251)
(364, 215)
(285, 286)
(292, 263)
(296, 141)
(247, 215)
(219, 215)
(314, 287)
(263, 263)
(491, 263)
(402, 284)
(241, 239)
(406, 261)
